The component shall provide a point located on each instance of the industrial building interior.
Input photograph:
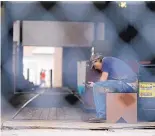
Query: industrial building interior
(60, 38)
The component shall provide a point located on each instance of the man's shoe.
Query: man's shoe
(96, 120)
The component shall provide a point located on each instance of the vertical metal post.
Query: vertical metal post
(16, 50)
(95, 38)
(51, 78)
(92, 51)
(14, 65)
(28, 74)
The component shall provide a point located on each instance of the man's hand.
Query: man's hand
(91, 84)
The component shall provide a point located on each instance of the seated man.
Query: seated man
(116, 76)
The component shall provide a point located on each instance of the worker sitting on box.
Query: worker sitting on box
(116, 76)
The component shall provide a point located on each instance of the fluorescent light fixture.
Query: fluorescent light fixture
(43, 50)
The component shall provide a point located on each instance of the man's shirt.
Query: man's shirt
(118, 70)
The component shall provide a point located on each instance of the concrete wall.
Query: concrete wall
(6, 57)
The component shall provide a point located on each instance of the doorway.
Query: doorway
(35, 60)
(47, 59)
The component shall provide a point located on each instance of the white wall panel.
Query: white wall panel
(52, 33)
(81, 72)
(57, 70)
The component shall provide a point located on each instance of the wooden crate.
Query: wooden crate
(121, 107)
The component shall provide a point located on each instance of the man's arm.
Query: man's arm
(104, 76)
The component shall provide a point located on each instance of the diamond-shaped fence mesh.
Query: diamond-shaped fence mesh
(124, 26)
(129, 26)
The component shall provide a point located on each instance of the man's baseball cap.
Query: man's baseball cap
(94, 58)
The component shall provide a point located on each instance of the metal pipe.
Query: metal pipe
(27, 103)
(92, 51)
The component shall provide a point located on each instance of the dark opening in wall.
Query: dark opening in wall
(70, 58)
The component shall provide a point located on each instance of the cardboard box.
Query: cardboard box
(121, 107)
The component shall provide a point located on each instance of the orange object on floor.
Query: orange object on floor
(121, 107)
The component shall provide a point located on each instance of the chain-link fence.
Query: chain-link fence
(129, 26)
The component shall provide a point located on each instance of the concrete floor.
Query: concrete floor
(63, 113)
(8, 110)
(49, 105)
(49, 132)
(51, 110)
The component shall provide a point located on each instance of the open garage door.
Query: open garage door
(58, 34)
